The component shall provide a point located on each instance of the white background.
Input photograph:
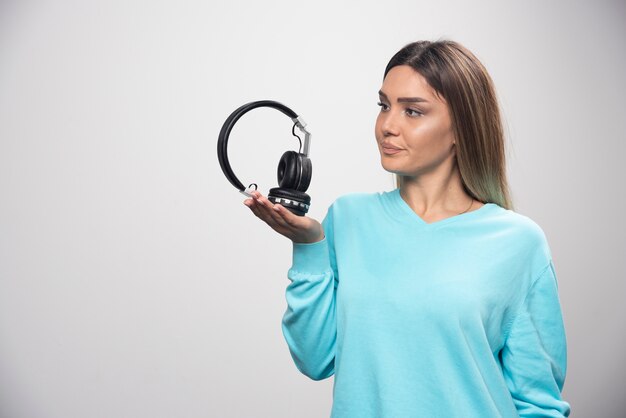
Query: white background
(133, 280)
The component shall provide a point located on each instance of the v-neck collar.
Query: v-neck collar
(403, 209)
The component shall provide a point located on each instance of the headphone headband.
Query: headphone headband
(222, 142)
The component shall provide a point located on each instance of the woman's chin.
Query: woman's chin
(389, 166)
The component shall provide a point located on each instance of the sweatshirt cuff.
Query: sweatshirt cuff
(311, 257)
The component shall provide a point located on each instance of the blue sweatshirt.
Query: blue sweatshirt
(455, 318)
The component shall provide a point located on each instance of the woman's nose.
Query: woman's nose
(389, 124)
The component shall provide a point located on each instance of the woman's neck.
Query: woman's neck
(437, 194)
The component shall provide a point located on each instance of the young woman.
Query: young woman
(435, 299)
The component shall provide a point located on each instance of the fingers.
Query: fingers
(269, 207)
(289, 218)
(297, 228)
(264, 209)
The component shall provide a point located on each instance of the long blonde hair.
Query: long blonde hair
(457, 75)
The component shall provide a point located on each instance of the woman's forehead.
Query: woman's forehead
(403, 81)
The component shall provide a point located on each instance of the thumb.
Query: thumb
(291, 218)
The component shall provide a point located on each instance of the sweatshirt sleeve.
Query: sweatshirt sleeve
(534, 356)
(308, 324)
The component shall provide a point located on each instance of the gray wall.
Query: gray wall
(133, 280)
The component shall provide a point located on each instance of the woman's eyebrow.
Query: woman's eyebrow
(404, 99)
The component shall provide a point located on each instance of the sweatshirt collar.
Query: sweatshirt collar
(402, 210)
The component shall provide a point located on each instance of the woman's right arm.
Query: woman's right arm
(309, 324)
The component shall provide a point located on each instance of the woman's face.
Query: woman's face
(415, 121)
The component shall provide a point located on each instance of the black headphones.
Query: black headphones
(294, 168)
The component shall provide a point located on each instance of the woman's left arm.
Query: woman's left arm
(534, 355)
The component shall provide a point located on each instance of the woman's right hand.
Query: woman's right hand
(299, 229)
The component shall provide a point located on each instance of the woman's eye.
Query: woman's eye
(382, 106)
(413, 112)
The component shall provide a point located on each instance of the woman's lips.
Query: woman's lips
(391, 151)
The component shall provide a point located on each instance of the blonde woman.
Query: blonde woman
(434, 299)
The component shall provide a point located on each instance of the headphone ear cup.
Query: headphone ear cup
(296, 202)
(307, 171)
(289, 170)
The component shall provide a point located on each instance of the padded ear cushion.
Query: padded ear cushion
(289, 170)
(297, 202)
(307, 171)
